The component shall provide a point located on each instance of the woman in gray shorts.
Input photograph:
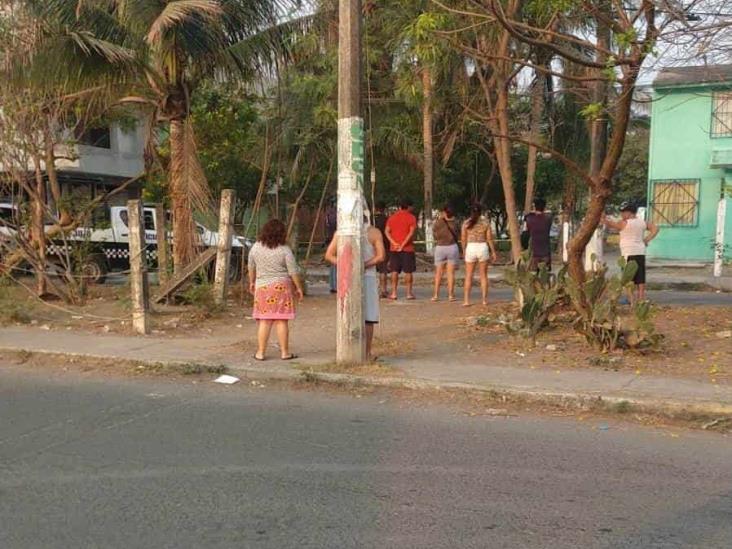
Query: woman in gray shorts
(447, 251)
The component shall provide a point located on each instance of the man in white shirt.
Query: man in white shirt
(635, 234)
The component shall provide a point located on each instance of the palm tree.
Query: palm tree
(175, 46)
(182, 43)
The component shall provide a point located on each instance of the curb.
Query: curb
(612, 403)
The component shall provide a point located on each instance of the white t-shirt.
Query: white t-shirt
(631, 237)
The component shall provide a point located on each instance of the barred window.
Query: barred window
(675, 203)
(722, 114)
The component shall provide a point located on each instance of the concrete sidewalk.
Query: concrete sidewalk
(656, 394)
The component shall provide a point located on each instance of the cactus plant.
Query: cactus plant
(539, 293)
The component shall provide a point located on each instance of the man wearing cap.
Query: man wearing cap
(635, 234)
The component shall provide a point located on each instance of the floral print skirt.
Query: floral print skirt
(275, 301)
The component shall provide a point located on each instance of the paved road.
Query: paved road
(154, 464)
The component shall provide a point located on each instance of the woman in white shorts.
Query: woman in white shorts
(447, 253)
(477, 238)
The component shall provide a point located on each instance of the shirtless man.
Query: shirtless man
(373, 253)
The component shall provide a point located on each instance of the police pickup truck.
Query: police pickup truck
(108, 250)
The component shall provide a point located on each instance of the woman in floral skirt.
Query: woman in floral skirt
(275, 283)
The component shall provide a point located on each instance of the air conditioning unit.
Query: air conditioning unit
(721, 158)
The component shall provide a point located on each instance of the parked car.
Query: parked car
(107, 249)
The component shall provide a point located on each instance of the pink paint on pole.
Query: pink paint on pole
(345, 269)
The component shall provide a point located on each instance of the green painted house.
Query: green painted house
(690, 165)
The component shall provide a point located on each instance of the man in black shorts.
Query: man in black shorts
(539, 224)
(400, 229)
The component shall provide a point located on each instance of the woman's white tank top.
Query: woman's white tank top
(631, 237)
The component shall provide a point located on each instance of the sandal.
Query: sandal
(258, 359)
(291, 356)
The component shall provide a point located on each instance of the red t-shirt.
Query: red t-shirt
(400, 224)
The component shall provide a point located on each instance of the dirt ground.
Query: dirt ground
(444, 331)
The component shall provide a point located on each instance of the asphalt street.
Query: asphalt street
(111, 463)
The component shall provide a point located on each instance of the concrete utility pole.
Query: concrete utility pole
(138, 268)
(223, 249)
(719, 236)
(350, 343)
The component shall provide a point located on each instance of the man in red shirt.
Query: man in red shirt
(400, 229)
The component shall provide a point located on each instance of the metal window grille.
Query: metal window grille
(675, 203)
(721, 114)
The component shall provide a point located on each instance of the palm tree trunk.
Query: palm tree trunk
(427, 138)
(503, 158)
(496, 91)
(65, 217)
(183, 225)
(537, 106)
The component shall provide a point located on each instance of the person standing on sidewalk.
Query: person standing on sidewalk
(374, 254)
(635, 234)
(382, 268)
(539, 224)
(479, 246)
(447, 252)
(274, 281)
(330, 220)
(400, 229)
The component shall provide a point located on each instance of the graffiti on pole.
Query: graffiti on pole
(350, 175)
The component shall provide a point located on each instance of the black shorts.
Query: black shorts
(640, 274)
(383, 267)
(402, 262)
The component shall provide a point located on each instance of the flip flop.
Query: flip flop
(452, 299)
(255, 357)
(435, 299)
(411, 298)
(393, 297)
(291, 357)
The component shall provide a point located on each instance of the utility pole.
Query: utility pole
(350, 342)
(721, 224)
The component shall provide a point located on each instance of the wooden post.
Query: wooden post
(350, 332)
(223, 252)
(138, 268)
(161, 231)
(38, 232)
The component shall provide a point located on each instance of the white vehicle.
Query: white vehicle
(109, 248)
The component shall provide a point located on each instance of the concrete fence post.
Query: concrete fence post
(138, 268)
(223, 253)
